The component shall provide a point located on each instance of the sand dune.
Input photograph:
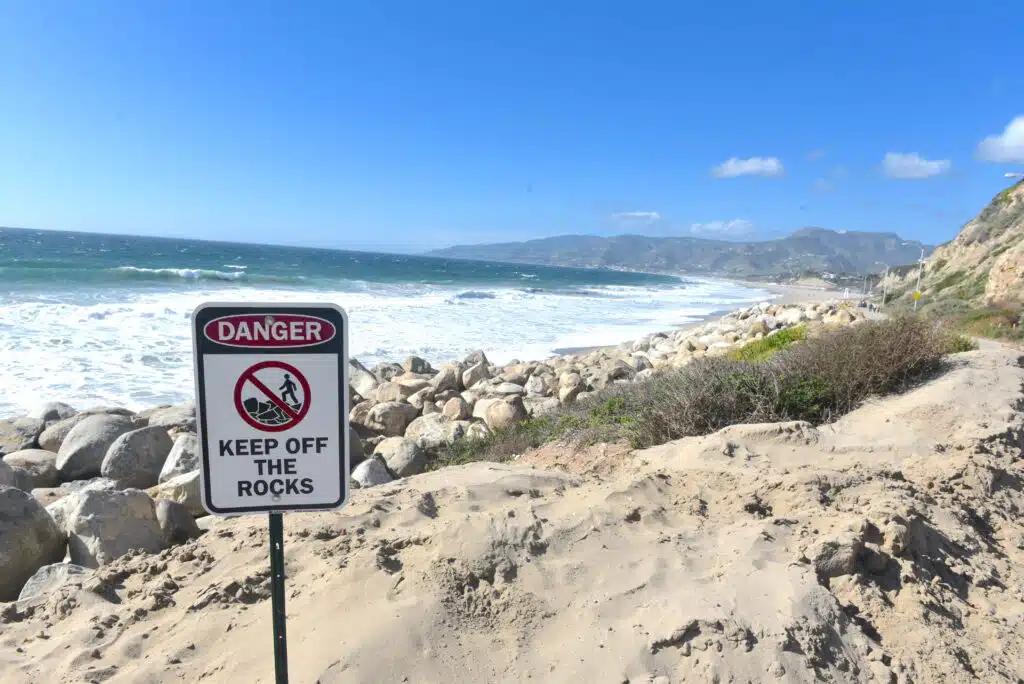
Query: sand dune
(886, 547)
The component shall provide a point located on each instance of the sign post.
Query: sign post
(272, 420)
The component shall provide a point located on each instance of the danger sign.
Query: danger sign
(272, 407)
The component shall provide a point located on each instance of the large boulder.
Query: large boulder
(184, 489)
(10, 477)
(506, 413)
(356, 453)
(391, 418)
(402, 456)
(384, 372)
(415, 364)
(422, 397)
(475, 374)
(106, 525)
(371, 473)
(136, 458)
(537, 386)
(569, 387)
(36, 467)
(448, 378)
(181, 418)
(53, 411)
(19, 433)
(82, 451)
(29, 539)
(474, 358)
(399, 389)
(60, 508)
(456, 408)
(433, 432)
(183, 457)
(53, 436)
(52, 577)
(176, 523)
(361, 379)
(507, 389)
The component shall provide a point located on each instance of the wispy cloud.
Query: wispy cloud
(755, 166)
(815, 154)
(1006, 148)
(644, 216)
(911, 166)
(733, 228)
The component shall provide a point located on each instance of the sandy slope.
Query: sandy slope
(886, 547)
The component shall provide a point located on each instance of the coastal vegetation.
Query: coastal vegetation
(787, 376)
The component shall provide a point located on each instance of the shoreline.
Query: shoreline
(783, 294)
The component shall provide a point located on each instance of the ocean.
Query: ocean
(95, 319)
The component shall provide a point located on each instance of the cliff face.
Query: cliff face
(983, 264)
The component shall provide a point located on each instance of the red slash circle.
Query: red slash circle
(286, 416)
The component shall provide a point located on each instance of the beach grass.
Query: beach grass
(819, 380)
(766, 347)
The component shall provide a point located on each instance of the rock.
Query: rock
(19, 434)
(840, 317)
(791, 317)
(506, 413)
(570, 385)
(385, 372)
(61, 508)
(582, 397)
(136, 458)
(53, 436)
(181, 418)
(184, 489)
(422, 397)
(371, 473)
(52, 577)
(541, 406)
(183, 458)
(36, 468)
(356, 454)
(508, 389)
(430, 407)
(475, 374)
(457, 408)
(481, 406)
(53, 411)
(477, 431)
(402, 456)
(361, 379)
(82, 451)
(640, 364)
(400, 389)
(415, 364)
(11, 477)
(176, 523)
(29, 539)
(361, 411)
(474, 358)
(537, 386)
(447, 378)
(434, 431)
(105, 525)
(837, 556)
(391, 418)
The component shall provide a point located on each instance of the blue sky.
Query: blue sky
(410, 125)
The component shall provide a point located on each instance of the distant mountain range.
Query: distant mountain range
(809, 250)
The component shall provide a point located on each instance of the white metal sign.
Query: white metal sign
(272, 406)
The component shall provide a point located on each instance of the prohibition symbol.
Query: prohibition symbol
(272, 396)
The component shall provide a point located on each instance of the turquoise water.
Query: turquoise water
(100, 319)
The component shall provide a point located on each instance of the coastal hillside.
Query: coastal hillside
(982, 265)
(807, 250)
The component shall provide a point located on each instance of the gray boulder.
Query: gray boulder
(433, 432)
(61, 508)
(402, 456)
(106, 525)
(361, 379)
(448, 378)
(37, 468)
(82, 451)
(474, 358)
(507, 389)
(371, 473)
(10, 477)
(183, 458)
(53, 411)
(176, 523)
(181, 418)
(506, 413)
(19, 433)
(384, 372)
(29, 539)
(49, 578)
(136, 458)
(184, 489)
(456, 408)
(356, 454)
(537, 386)
(391, 418)
(55, 433)
(415, 364)
(475, 374)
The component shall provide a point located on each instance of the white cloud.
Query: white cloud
(1007, 148)
(913, 166)
(729, 228)
(648, 216)
(755, 166)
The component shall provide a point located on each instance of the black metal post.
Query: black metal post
(277, 597)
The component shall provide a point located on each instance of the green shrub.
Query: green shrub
(766, 347)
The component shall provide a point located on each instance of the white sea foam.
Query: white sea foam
(134, 348)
